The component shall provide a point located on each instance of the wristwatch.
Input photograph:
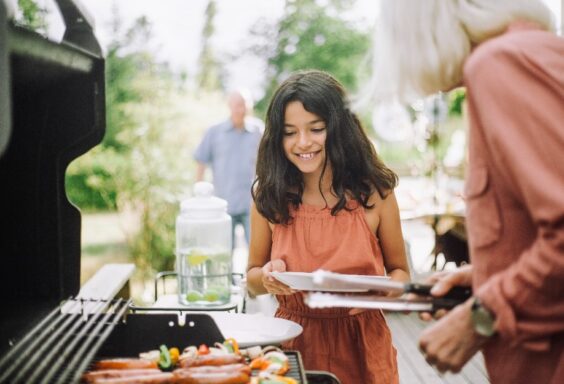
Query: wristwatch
(482, 319)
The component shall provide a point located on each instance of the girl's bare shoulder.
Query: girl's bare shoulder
(375, 199)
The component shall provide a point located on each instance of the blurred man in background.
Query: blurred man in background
(230, 149)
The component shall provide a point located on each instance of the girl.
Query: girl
(323, 199)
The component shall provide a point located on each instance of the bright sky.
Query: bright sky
(178, 25)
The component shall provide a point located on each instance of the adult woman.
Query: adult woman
(512, 64)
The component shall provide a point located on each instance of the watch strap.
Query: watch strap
(483, 319)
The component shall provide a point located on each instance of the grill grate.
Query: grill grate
(296, 370)
(61, 346)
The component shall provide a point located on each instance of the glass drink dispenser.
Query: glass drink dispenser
(203, 249)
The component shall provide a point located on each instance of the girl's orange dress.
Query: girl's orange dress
(355, 345)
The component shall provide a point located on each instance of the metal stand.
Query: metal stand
(169, 303)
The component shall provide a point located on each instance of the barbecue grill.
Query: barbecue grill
(52, 103)
(52, 110)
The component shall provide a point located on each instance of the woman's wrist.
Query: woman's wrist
(483, 320)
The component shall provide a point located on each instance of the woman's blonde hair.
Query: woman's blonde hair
(420, 46)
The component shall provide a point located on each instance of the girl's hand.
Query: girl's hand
(272, 285)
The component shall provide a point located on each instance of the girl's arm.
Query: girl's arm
(391, 239)
(259, 251)
(258, 280)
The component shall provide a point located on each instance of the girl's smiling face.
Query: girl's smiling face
(304, 138)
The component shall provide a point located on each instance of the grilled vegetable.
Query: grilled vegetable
(174, 355)
(231, 345)
(165, 363)
(272, 362)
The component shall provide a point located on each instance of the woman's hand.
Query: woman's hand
(443, 282)
(272, 285)
(451, 342)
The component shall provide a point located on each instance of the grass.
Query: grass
(104, 241)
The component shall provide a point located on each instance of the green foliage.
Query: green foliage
(120, 72)
(157, 169)
(89, 181)
(142, 165)
(32, 15)
(310, 35)
(422, 154)
(126, 59)
(209, 75)
(456, 99)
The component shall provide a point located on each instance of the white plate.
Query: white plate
(255, 329)
(303, 281)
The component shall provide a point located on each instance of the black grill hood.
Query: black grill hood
(52, 110)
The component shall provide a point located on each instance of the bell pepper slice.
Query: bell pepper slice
(232, 344)
(174, 355)
(165, 363)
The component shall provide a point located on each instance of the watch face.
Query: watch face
(482, 320)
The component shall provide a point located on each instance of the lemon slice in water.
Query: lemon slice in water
(196, 259)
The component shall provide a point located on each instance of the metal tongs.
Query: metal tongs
(327, 281)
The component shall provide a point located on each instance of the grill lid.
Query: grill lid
(52, 110)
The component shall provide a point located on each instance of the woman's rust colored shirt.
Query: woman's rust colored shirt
(515, 200)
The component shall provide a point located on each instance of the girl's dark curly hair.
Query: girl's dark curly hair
(356, 168)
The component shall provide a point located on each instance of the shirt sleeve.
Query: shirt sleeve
(519, 103)
(204, 152)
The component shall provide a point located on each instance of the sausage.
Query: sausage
(188, 376)
(124, 363)
(157, 378)
(218, 368)
(210, 360)
(92, 376)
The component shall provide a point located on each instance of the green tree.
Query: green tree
(209, 75)
(139, 166)
(32, 15)
(89, 180)
(144, 163)
(126, 59)
(456, 99)
(310, 35)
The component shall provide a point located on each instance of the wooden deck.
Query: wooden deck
(413, 368)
